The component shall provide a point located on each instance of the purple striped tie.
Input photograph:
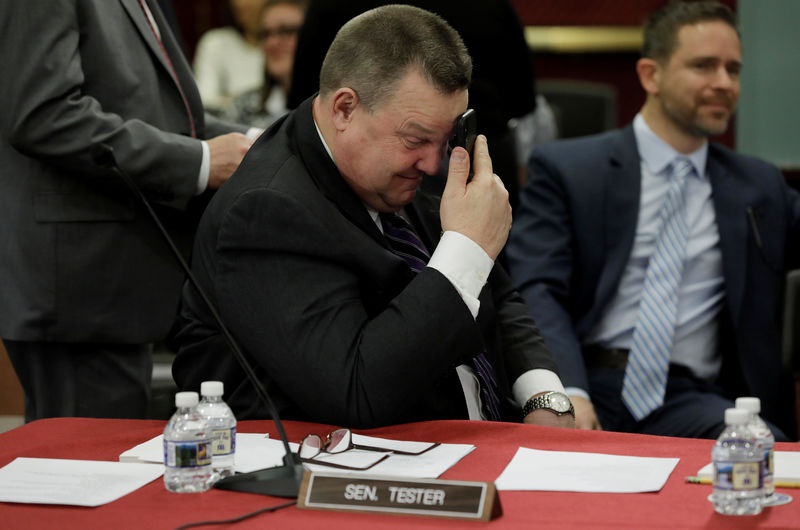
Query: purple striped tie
(405, 243)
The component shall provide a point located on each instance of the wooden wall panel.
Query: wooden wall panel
(589, 12)
(12, 400)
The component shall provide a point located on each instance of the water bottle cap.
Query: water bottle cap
(736, 416)
(211, 388)
(751, 404)
(186, 399)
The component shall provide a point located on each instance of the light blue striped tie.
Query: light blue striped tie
(648, 361)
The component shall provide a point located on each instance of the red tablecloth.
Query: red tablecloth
(677, 505)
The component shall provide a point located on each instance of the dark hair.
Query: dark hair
(661, 27)
(374, 50)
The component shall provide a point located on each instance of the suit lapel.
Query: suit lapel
(622, 183)
(140, 21)
(730, 198)
(180, 67)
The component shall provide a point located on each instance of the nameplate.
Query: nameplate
(455, 499)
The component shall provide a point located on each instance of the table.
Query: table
(677, 505)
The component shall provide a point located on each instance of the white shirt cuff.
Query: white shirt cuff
(533, 382)
(465, 264)
(205, 169)
(253, 132)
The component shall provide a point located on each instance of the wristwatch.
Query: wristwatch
(555, 401)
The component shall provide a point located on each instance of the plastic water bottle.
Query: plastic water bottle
(223, 428)
(765, 440)
(737, 460)
(187, 447)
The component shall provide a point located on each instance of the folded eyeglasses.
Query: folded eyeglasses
(341, 440)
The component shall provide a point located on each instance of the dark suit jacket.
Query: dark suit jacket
(81, 260)
(337, 326)
(574, 234)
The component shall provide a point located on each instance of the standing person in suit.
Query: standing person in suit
(87, 283)
(495, 39)
(329, 291)
(643, 275)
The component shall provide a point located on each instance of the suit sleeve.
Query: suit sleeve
(540, 257)
(53, 107)
(793, 245)
(521, 342)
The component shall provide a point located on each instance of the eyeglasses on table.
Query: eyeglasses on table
(341, 440)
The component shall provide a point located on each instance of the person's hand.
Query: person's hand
(585, 416)
(226, 153)
(478, 209)
(548, 418)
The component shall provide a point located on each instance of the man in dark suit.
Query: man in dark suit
(301, 252)
(590, 248)
(87, 283)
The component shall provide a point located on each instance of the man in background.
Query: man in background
(87, 283)
(652, 260)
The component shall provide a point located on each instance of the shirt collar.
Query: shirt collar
(322, 139)
(658, 154)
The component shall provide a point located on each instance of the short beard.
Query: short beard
(690, 124)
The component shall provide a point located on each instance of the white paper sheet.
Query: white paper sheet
(392, 445)
(532, 469)
(75, 482)
(429, 464)
(785, 464)
(254, 451)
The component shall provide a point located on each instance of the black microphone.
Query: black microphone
(283, 481)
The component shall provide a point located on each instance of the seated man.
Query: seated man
(330, 292)
(653, 260)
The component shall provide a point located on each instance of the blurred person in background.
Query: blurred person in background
(281, 21)
(228, 60)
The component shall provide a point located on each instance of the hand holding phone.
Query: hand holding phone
(466, 131)
(478, 209)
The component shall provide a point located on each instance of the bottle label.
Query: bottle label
(223, 441)
(737, 475)
(187, 454)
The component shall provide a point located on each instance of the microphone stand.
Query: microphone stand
(283, 481)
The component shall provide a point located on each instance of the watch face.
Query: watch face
(559, 402)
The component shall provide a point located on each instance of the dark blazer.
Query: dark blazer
(82, 262)
(574, 234)
(337, 326)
